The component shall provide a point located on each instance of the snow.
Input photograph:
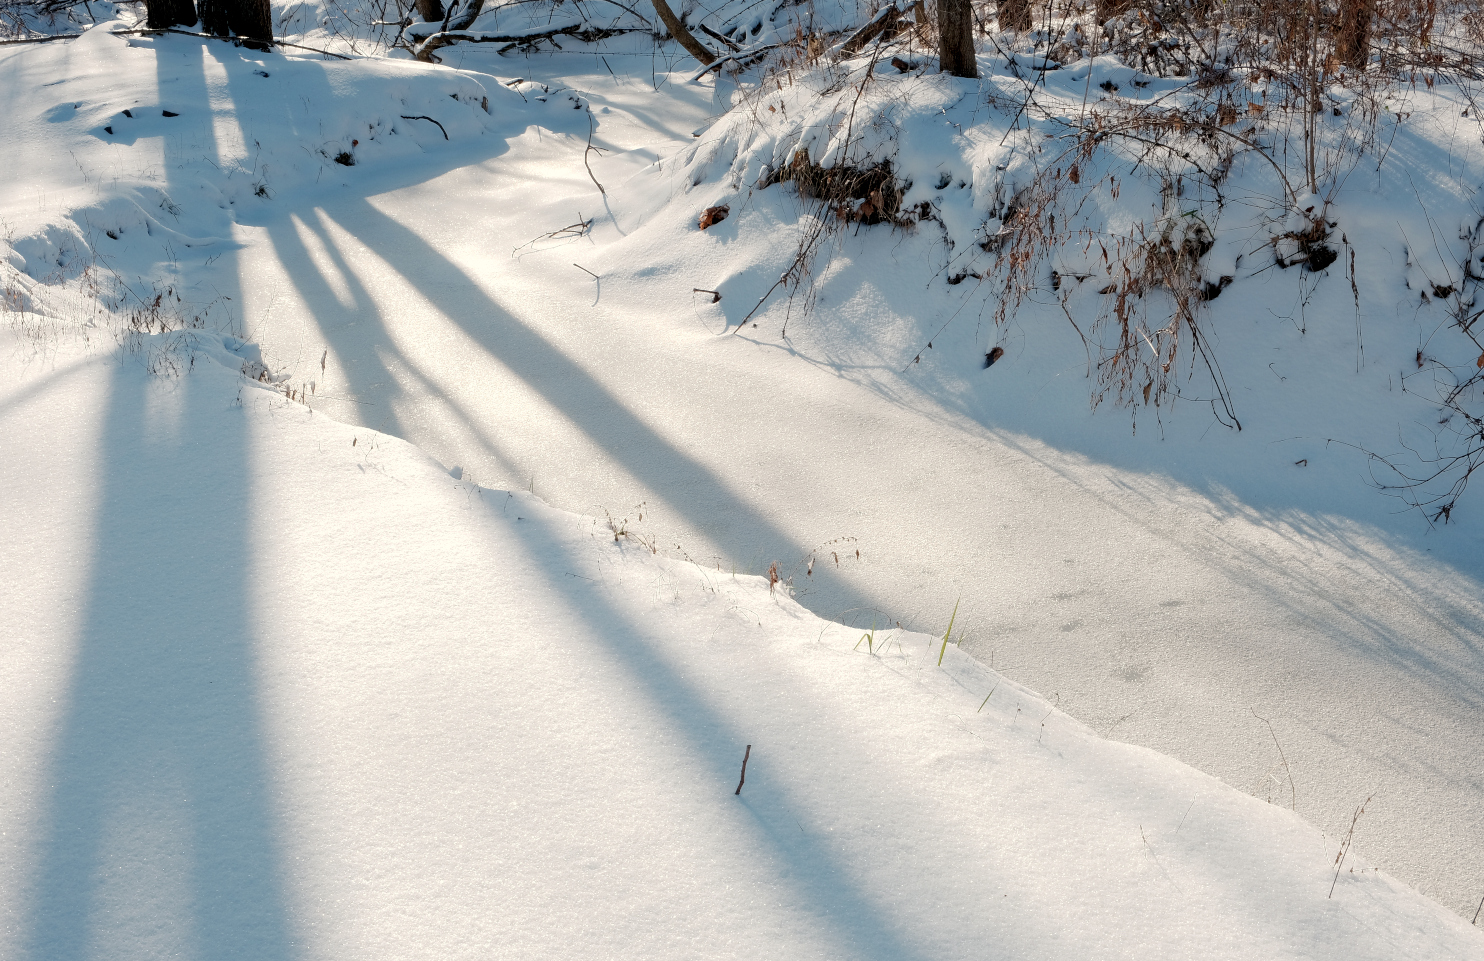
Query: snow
(288, 689)
(360, 673)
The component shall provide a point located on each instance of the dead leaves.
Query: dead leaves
(714, 215)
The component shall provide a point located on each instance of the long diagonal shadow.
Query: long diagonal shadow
(158, 833)
(860, 922)
(603, 417)
(359, 337)
(855, 916)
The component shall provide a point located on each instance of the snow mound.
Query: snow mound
(173, 137)
(1169, 221)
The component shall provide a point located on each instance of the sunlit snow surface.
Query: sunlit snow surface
(447, 731)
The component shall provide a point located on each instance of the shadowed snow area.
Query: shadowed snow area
(1159, 606)
(283, 687)
(318, 699)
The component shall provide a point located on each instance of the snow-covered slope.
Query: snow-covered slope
(1182, 588)
(279, 687)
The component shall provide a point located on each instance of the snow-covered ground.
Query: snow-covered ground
(461, 720)
(279, 687)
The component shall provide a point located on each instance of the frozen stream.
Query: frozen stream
(1313, 666)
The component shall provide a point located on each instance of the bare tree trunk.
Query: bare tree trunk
(214, 16)
(430, 10)
(1015, 14)
(1353, 43)
(677, 30)
(956, 38)
(160, 14)
(248, 19)
(252, 20)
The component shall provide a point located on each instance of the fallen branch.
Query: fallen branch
(732, 44)
(743, 59)
(582, 31)
(429, 120)
(55, 36)
(156, 31)
(886, 19)
(236, 41)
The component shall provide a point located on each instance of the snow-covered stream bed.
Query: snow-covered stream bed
(1155, 611)
(460, 721)
(278, 687)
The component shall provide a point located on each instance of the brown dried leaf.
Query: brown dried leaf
(714, 215)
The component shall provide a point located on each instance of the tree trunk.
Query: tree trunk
(252, 20)
(248, 19)
(215, 16)
(956, 38)
(1353, 43)
(430, 10)
(1015, 14)
(438, 41)
(160, 14)
(677, 30)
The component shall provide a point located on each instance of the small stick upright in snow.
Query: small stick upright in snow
(743, 780)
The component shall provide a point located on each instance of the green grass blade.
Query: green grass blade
(942, 650)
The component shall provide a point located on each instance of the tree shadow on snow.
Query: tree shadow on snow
(159, 831)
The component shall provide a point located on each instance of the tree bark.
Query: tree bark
(430, 10)
(214, 16)
(438, 41)
(956, 38)
(677, 30)
(1015, 14)
(160, 14)
(249, 19)
(252, 20)
(1353, 43)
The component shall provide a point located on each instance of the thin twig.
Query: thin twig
(1292, 792)
(1345, 847)
(743, 779)
(591, 126)
(429, 119)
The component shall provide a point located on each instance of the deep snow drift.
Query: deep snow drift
(1172, 588)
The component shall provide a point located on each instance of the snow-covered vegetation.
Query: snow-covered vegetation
(439, 448)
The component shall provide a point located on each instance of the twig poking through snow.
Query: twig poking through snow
(1292, 789)
(590, 149)
(429, 120)
(743, 779)
(598, 281)
(1345, 848)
